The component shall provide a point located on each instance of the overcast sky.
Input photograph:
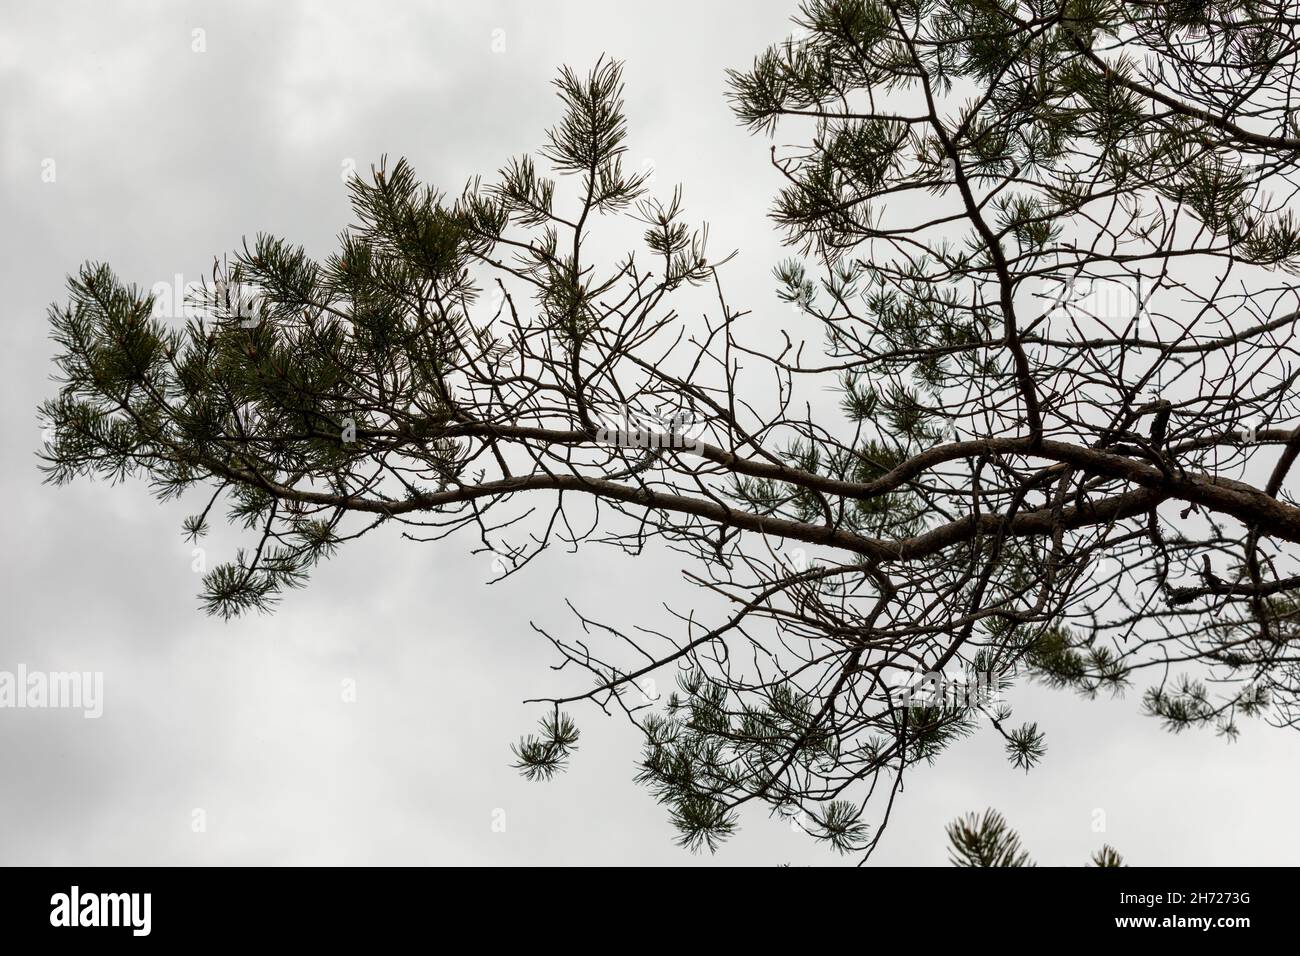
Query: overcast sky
(167, 146)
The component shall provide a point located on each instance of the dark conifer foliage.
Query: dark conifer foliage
(988, 840)
(1043, 252)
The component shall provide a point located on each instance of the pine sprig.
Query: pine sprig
(542, 756)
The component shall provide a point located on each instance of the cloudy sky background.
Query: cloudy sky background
(164, 157)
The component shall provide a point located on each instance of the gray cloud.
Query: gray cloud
(165, 157)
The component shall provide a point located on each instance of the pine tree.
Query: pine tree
(988, 840)
(1043, 253)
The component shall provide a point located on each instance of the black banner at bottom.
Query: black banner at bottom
(93, 906)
